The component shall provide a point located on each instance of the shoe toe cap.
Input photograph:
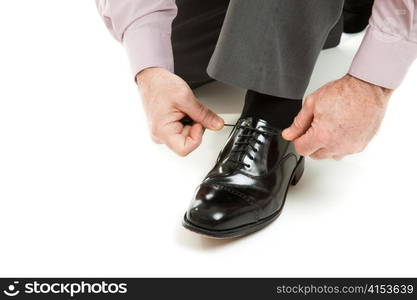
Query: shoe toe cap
(217, 207)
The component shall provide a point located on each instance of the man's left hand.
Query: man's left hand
(338, 119)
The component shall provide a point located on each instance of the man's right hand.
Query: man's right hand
(167, 99)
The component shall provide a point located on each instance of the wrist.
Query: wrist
(146, 75)
(385, 91)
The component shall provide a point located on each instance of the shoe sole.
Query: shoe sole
(251, 227)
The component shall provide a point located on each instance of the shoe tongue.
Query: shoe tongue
(245, 122)
(253, 122)
(259, 123)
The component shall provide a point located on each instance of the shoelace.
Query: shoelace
(245, 143)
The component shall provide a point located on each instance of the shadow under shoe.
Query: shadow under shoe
(247, 187)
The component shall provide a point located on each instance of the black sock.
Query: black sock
(278, 112)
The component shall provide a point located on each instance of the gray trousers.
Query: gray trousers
(269, 46)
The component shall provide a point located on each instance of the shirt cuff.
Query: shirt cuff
(148, 46)
(383, 59)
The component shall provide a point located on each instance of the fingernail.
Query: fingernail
(286, 134)
(217, 124)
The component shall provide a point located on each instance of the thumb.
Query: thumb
(301, 123)
(201, 114)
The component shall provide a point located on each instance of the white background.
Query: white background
(84, 192)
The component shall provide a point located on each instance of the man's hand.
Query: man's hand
(167, 99)
(338, 119)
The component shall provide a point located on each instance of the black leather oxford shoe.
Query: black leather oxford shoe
(246, 189)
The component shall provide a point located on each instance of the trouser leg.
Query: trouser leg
(271, 46)
(358, 5)
(195, 31)
(356, 14)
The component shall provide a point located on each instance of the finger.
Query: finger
(201, 114)
(307, 143)
(301, 122)
(322, 153)
(186, 131)
(338, 157)
(196, 132)
(183, 145)
(156, 140)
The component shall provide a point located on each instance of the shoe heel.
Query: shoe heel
(298, 171)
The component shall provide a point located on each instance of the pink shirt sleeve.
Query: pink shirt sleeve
(144, 28)
(390, 44)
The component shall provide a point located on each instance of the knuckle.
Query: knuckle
(353, 149)
(154, 131)
(298, 121)
(361, 148)
(204, 113)
(155, 139)
(350, 151)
